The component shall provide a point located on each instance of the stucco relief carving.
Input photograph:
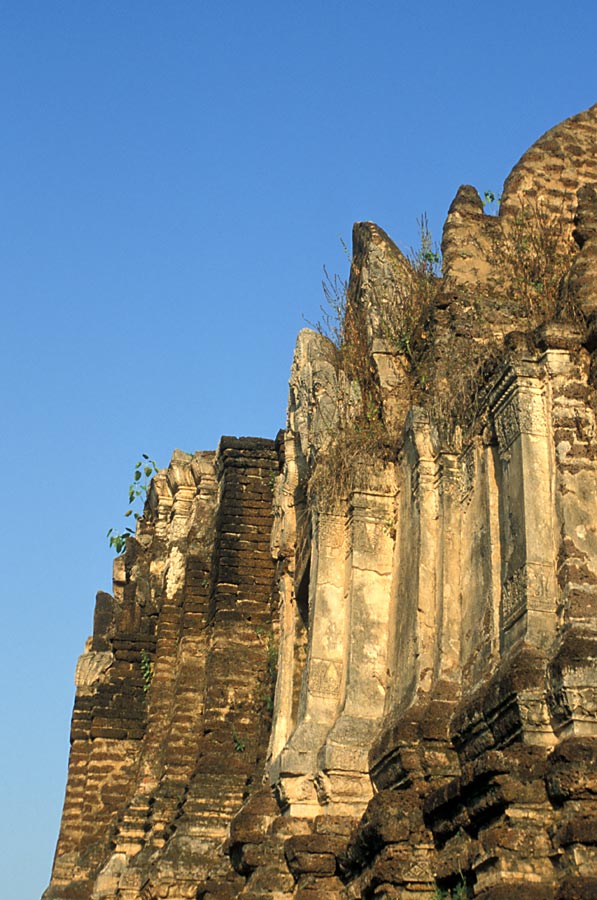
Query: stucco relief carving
(531, 587)
(519, 410)
(467, 465)
(514, 595)
(324, 678)
(541, 588)
(507, 423)
(91, 666)
(419, 872)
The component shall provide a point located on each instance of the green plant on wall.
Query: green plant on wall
(269, 641)
(400, 313)
(458, 892)
(272, 480)
(144, 470)
(426, 259)
(531, 253)
(491, 203)
(358, 429)
(404, 313)
(239, 745)
(360, 433)
(146, 670)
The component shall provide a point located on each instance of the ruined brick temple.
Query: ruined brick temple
(359, 661)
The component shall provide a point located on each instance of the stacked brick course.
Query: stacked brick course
(171, 718)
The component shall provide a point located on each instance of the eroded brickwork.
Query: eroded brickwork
(171, 720)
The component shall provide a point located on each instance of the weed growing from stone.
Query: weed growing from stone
(146, 670)
(458, 892)
(491, 203)
(529, 252)
(446, 350)
(406, 309)
(143, 472)
(361, 435)
(267, 694)
(239, 745)
(529, 255)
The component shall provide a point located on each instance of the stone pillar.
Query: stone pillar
(290, 536)
(282, 723)
(480, 564)
(528, 605)
(449, 613)
(324, 680)
(343, 782)
(414, 617)
(424, 618)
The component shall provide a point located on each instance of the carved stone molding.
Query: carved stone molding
(518, 407)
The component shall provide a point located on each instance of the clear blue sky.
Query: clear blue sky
(173, 177)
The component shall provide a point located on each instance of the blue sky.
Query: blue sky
(173, 177)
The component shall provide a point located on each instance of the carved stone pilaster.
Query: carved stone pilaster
(527, 505)
(324, 679)
(343, 783)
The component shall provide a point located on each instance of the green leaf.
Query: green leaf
(148, 471)
(128, 513)
(137, 475)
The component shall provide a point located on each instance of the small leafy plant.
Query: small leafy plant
(404, 315)
(491, 203)
(143, 472)
(426, 259)
(458, 892)
(269, 641)
(146, 670)
(239, 745)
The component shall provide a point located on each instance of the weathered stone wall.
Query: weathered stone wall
(157, 767)
(429, 576)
